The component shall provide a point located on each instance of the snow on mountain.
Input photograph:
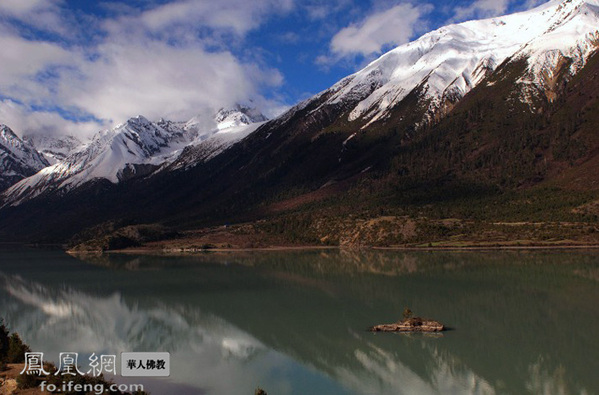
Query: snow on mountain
(135, 148)
(449, 62)
(207, 124)
(238, 116)
(135, 142)
(441, 66)
(204, 150)
(55, 148)
(18, 159)
(231, 126)
(571, 38)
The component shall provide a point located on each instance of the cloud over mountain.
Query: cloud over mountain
(166, 61)
(393, 26)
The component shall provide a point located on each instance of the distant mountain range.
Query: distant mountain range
(435, 128)
(55, 148)
(18, 158)
(136, 148)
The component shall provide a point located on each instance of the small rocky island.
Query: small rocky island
(410, 324)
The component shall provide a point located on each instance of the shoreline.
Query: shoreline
(183, 251)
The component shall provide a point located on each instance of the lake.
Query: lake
(296, 322)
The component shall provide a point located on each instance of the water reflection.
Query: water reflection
(295, 322)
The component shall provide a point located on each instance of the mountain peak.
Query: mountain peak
(238, 115)
(446, 63)
(6, 133)
(55, 148)
(138, 147)
(328, 145)
(139, 120)
(18, 158)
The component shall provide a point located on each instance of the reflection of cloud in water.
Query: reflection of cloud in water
(384, 373)
(543, 381)
(210, 353)
(117, 326)
(205, 350)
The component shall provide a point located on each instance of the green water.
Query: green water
(295, 322)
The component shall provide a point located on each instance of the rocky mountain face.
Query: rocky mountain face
(443, 65)
(465, 113)
(55, 148)
(136, 148)
(18, 158)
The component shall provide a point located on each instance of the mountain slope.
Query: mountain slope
(55, 148)
(493, 114)
(232, 125)
(137, 148)
(18, 159)
(447, 63)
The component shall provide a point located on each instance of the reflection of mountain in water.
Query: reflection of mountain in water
(62, 319)
(115, 326)
(514, 316)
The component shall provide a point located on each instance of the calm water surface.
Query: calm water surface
(295, 322)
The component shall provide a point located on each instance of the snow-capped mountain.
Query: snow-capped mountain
(226, 120)
(447, 63)
(136, 148)
(365, 121)
(441, 66)
(238, 116)
(55, 148)
(18, 158)
(232, 125)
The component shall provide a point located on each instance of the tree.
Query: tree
(16, 349)
(4, 341)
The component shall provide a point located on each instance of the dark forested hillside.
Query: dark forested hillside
(312, 176)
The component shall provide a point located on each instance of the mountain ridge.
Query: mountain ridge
(135, 148)
(55, 148)
(18, 158)
(508, 132)
(388, 79)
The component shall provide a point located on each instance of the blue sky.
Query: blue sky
(72, 66)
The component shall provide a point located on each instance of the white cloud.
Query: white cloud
(20, 58)
(240, 16)
(154, 63)
(289, 38)
(20, 8)
(24, 120)
(321, 9)
(390, 27)
(41, 14)
(317, 11)
(533, 3)
(481, 9)
(158, 80)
